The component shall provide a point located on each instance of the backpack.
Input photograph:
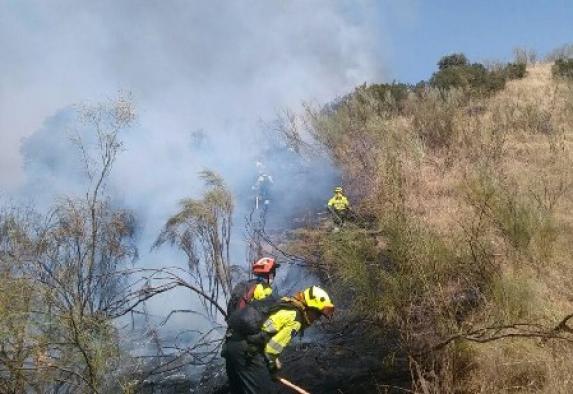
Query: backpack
(248, 320)
(241, 295)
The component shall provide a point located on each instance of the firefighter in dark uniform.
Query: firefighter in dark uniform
(258, 288)
(253, 360)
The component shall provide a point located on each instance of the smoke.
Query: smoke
(203, 76)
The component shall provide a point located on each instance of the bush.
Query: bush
(390, 96)
(514, 70)
(514, 366)
(433, 116)
(562, 52)
(489, 82)
(456, 72)
(451, 77)
(453, 60)
(526, 117)
(474, 78)
(513, 297)
(518, 218)
(354, 258)
(524, 56)
(563, 68)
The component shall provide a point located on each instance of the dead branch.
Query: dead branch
(516, 330)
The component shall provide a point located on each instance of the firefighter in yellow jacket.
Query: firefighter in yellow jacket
(252, 361)
(339, 206)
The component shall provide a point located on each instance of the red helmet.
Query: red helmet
(265, 266)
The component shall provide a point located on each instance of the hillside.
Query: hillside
(462, 241)
(452, 275)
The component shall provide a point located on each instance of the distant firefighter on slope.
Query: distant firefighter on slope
(339, 206)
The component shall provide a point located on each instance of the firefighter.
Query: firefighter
(253, 361)
(339, 206)
(258, 288)
(262, 187)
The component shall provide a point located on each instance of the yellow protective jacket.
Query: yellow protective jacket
(282, 326)
(339, 202)
(247, 291)
(262, 291)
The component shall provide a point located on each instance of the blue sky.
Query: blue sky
(420, 32)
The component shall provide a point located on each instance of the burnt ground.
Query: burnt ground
(342, 358)
(345, 356)
(348, 360)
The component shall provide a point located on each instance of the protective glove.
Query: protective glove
(274, 365)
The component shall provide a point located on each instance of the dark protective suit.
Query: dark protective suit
(245, 363)
(248, 358)
(247, 369)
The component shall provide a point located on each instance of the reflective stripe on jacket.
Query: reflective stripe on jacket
(338, 202)
(283, 325)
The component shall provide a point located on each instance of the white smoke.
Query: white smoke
(214, 68)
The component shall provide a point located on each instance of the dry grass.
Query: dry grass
(535, 164)
(487, 173)
(519, 366)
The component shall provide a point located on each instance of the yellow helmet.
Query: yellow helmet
(338, 189)
(315, 297)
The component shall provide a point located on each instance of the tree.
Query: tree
(202, 230)
(68, 268)
(18, 300)
(562, 68)
(524, 56)
(455, 59)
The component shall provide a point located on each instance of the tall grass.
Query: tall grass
(470, 198)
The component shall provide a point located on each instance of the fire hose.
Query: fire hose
(293, 386)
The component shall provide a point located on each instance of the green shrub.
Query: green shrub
(524, 117)
(455, 71)
(414, 268)
(453, 60)
(355, 260)
(563, 68)
(433, 116)
(392, 281)
(514, 299)
(451, 77)
(517, 217)
(489, 83)
(562, 52)
(474, 78)
(514, 70)
(390, 97)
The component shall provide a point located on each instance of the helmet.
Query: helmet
(315, 297)
(338, 189)
(260, 167)
(265, 266)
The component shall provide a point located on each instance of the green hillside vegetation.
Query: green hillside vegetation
(462, 243)
(563, 68)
